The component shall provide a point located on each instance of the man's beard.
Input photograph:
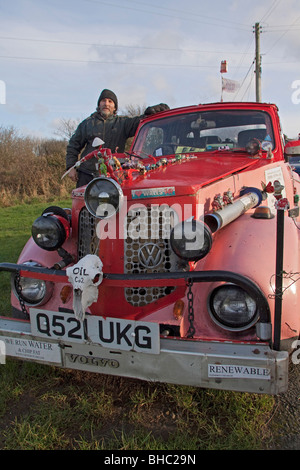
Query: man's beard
(105, 113)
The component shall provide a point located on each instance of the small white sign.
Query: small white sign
(32, 349)
(224, 371)
(271, 175)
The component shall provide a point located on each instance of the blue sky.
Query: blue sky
(57, 55)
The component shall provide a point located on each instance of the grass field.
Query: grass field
(45, 408)
(15, 229)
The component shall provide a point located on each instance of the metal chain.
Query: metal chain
(190, 297)
(19, 291)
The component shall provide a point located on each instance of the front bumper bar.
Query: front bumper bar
(263, 326)
(241, 367)
(236, 366)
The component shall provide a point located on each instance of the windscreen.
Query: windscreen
(204, 132)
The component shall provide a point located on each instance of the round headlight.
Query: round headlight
(232, 308)
(103, 197)
(32, 291)
(191, 240)
(50, 231)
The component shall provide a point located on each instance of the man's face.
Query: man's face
(107, 107)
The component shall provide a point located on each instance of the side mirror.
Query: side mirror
(292, 148)
(97, 142)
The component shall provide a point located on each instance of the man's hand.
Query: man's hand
(156, 109)
(73, 175)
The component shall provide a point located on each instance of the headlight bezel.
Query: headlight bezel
(53, 222)
(229, 324)
(107, 184)
(47, 287)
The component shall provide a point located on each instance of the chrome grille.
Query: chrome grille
(88, 242)
(147, 250)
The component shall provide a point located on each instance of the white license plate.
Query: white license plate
(113, 333)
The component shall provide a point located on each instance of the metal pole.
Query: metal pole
(278, 284)
(257, 62)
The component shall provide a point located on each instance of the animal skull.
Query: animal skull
(85, 277)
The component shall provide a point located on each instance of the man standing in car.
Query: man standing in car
(112, 129)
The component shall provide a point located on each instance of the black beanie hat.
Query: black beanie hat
(110, 95)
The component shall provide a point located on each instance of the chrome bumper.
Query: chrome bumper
(251, 368)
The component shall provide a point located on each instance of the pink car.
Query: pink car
(179, 263)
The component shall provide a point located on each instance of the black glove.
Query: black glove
(156, 109)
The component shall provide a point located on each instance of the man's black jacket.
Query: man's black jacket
(114, 131)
